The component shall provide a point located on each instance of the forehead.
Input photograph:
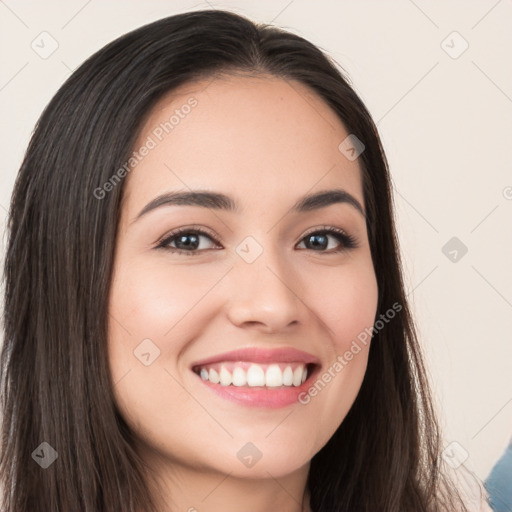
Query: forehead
(250, 136)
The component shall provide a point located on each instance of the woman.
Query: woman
(204, 302)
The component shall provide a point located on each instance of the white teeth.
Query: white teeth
(225, 377)
(255, 376)
(273, 377)
(297, 376)
(214, 376)
(288, 376)
(239, 377)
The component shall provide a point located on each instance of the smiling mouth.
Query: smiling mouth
(249, 374)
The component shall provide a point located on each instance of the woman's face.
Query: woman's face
(263, 297)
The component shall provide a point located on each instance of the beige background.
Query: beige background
(445, 117)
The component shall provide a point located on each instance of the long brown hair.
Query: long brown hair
(56, 387)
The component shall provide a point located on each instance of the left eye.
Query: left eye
(187, 241)
(320, 240)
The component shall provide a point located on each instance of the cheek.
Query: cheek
(153, 300)
(152, 315)
(148, 328)
(346, 302)
(347, 307)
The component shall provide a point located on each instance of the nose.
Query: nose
(265, 294)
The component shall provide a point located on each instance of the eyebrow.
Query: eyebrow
(219, 201)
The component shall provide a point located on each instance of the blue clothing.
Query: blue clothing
(499, 483)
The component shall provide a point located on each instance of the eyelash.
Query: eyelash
(347, 241)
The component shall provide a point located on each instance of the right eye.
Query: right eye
(186, 241)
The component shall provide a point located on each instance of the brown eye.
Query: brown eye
(186, 241)
(319, 240)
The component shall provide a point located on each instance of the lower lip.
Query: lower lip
(270, 398)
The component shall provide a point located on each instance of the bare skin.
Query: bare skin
(266, 143)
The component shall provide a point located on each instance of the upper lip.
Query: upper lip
(262, 355)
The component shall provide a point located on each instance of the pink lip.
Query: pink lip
(261, 396)
(260, 355)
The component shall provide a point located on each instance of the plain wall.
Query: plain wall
(446, 124)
